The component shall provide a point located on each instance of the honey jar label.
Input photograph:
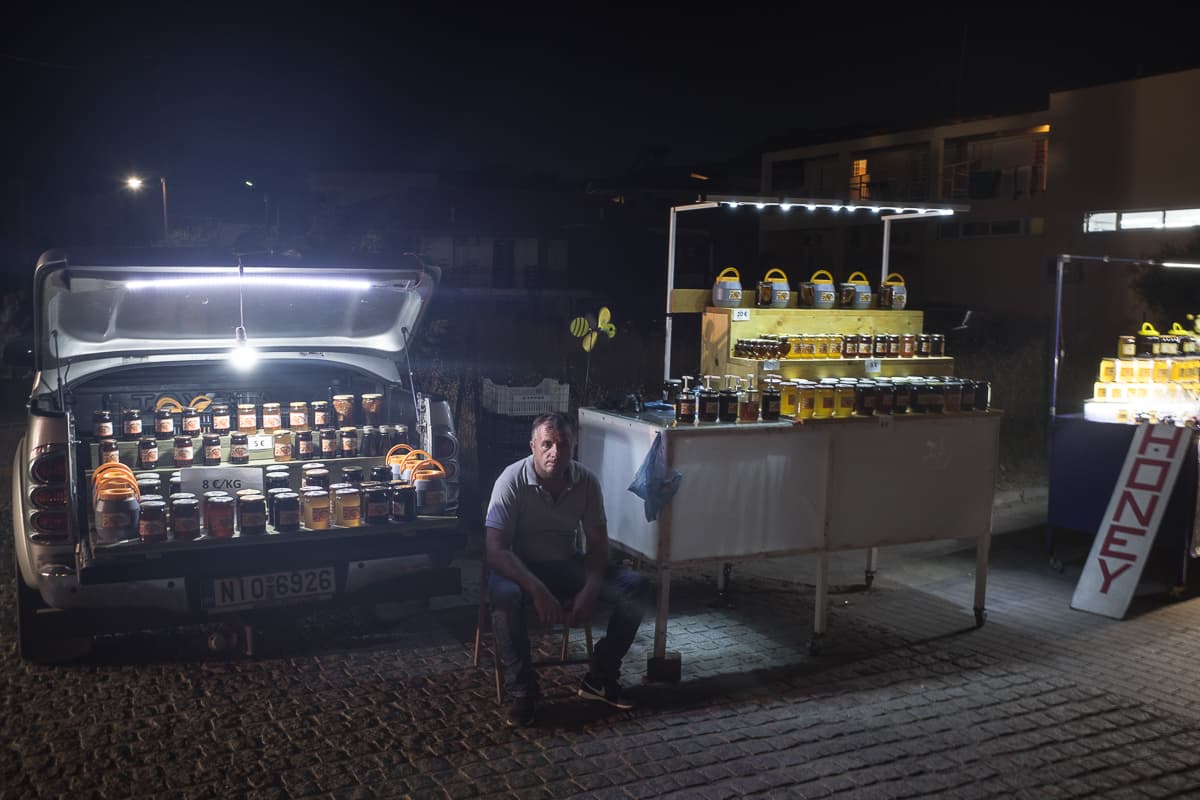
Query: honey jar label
(150, 456)
(183, 454)
(297, 419)
(152, 529)
(133, 427)
(114, 519)
(104, 429)
(320, 419)
(247, 421)
(111, 457)
(319, 513)
(166, 426)
(221, 423)
(283, 450)
(288, 519)
(186, 527)
(348, 513)
(271, 421)
(239, 451)
(212, 453)
(191, 424)
(377, 510)
(306, 449)
(253, 519)
(328, 447)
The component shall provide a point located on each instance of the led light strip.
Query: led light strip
(275, 281)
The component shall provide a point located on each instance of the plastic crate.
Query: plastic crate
(526, 401)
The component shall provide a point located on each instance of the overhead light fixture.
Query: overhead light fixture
(348, 284)
(243, 357)
(1180, 265)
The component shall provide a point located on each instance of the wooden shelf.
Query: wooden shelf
(815, 369)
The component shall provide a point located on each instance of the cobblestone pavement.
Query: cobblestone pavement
(907, 699)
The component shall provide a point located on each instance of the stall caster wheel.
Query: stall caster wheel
(980, 617)
(869, 577)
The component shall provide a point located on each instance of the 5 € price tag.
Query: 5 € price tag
(261, 441)
(872, 366)
(741, 315)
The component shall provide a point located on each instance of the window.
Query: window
(1106, 221)
(860, 180)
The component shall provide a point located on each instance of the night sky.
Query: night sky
(216, 94)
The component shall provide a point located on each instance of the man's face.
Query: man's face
(551, 452)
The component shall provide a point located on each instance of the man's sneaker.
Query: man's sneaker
(522, 713)
(609, 692)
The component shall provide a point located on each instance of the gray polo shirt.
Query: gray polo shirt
(544, 529)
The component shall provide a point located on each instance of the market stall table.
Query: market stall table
(758, 490)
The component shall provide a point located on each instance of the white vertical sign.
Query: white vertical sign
(1131, 521)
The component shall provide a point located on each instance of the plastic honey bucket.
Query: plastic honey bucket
(893, 293)
(819, 291)
(395, 458)
(111, 469)
(429, 484)
(862, 289)
(781, 292)
(727, 289)
(403, 470)
(118, 511)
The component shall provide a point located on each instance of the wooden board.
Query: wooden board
(815, 369)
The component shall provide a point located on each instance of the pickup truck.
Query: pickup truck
(173, 356)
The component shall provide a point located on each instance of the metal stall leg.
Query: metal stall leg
(662, 666)
(981, 570)
(872, 565)
(820, 604)
(724, 599)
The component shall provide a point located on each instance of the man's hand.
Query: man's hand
(584, 604)
(549, 610)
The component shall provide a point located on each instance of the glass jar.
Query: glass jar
(102, 424)
(372, 408)
(748, 405)
(376, 505)
(191, 421)
(317, 478)
(348, 442)
(347, 508)
(110, 451)
(381, 473)
(183, 452)
(147, 457)
(152, 524)
(304, 446)
(287, 512)
(825, 398)
(866, 395)
(893, 344)
(150, 484)
(369, 444)
(918, 402)
(314, 509)
(273, 503)
(908, 345)
(1126, 346)
(806, 400)
(298, 415)
(902, 402)
(924, 347)
(277, 480)
(343, 410)
(131, 424)
(937, 345)
(983, 395)
(837, 345)
(850, 345)
(404, 501)
(220, 418)
(164, 424)
(247, 416)
(936, 390)
(879, 347)
(968, 394)
(185, 518)
(320, 414)
(272, 419)
(352, 475)
(283, 445)
(239, 448)
(252, 515)
(218, 516)
(846, 397)
(886, 401)
(329, 443)
(211, 442)
(175, 482)
(770, 402)
(789, 398)
(953, 395)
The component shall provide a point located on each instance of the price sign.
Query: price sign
(872, 366)
(261, 441)
(771, 363)
(199, 480)
(741, 315)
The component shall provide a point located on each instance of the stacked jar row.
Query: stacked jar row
(841, 345)
(286, 445)
(222, 418)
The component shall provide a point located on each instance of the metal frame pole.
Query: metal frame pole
(670, 289)
(1058, 292)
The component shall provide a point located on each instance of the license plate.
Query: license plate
(277, 588)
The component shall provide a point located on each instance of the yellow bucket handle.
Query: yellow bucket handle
(1148, 330)
(819, 273)
(110, 466)
(405, 449)
(862, 279)
(421, 470)
(898, 282)
(774, 270)
(728, 270)
(118, 483)
(414, 456)
(1177, 328)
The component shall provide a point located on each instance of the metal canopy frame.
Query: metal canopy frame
(899, 211)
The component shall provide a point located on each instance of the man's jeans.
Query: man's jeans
(621, 587)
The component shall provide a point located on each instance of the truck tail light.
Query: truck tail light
(49, 497)
(50, 527)
(49, 464)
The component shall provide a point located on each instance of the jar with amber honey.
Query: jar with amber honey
(247, 417)
(347, 508)
(283, 445)
(272, 419)
(314, 509)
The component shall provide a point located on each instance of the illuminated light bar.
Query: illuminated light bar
(348, 284)
(1181, 265)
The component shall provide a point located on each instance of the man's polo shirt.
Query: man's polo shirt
(544, 529)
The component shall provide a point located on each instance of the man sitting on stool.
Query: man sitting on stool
(537, 505)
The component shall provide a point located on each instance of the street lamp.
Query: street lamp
(134, 183)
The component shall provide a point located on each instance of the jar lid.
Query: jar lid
(153, 505)
(315, 492)
(248, 492)
(347, 491)
(177, 496)
(220, 500)
(312, 465)
(131, 413)
(100, 414)
(151, 498)
(191, 410)
(209, 495)
(282, 432)
(163, 412)
(184, 505)
(183, 441)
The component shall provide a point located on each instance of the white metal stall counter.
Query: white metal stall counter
(756, 490)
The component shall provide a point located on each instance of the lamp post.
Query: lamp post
(134, 183)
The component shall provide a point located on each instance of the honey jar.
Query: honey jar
(185, 518)
(347, 509)
(298, 415)
(825, 398)
(247, 416)
(252, 514)
(102, 424)
(131, 424)
(287, 512)
(218, 516)
(304, 446)
(348, 442)
(211, 443)
(314, 509)
(320, 414)
(191, 421)
(329, 443)
(147, 453)
(272, 420)
(239, 448)
(850, 345)
(152, 524)
(164, 423)
(110, 451)
(806, 399)
(283, 445)
(183, 452)
(220, 418)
